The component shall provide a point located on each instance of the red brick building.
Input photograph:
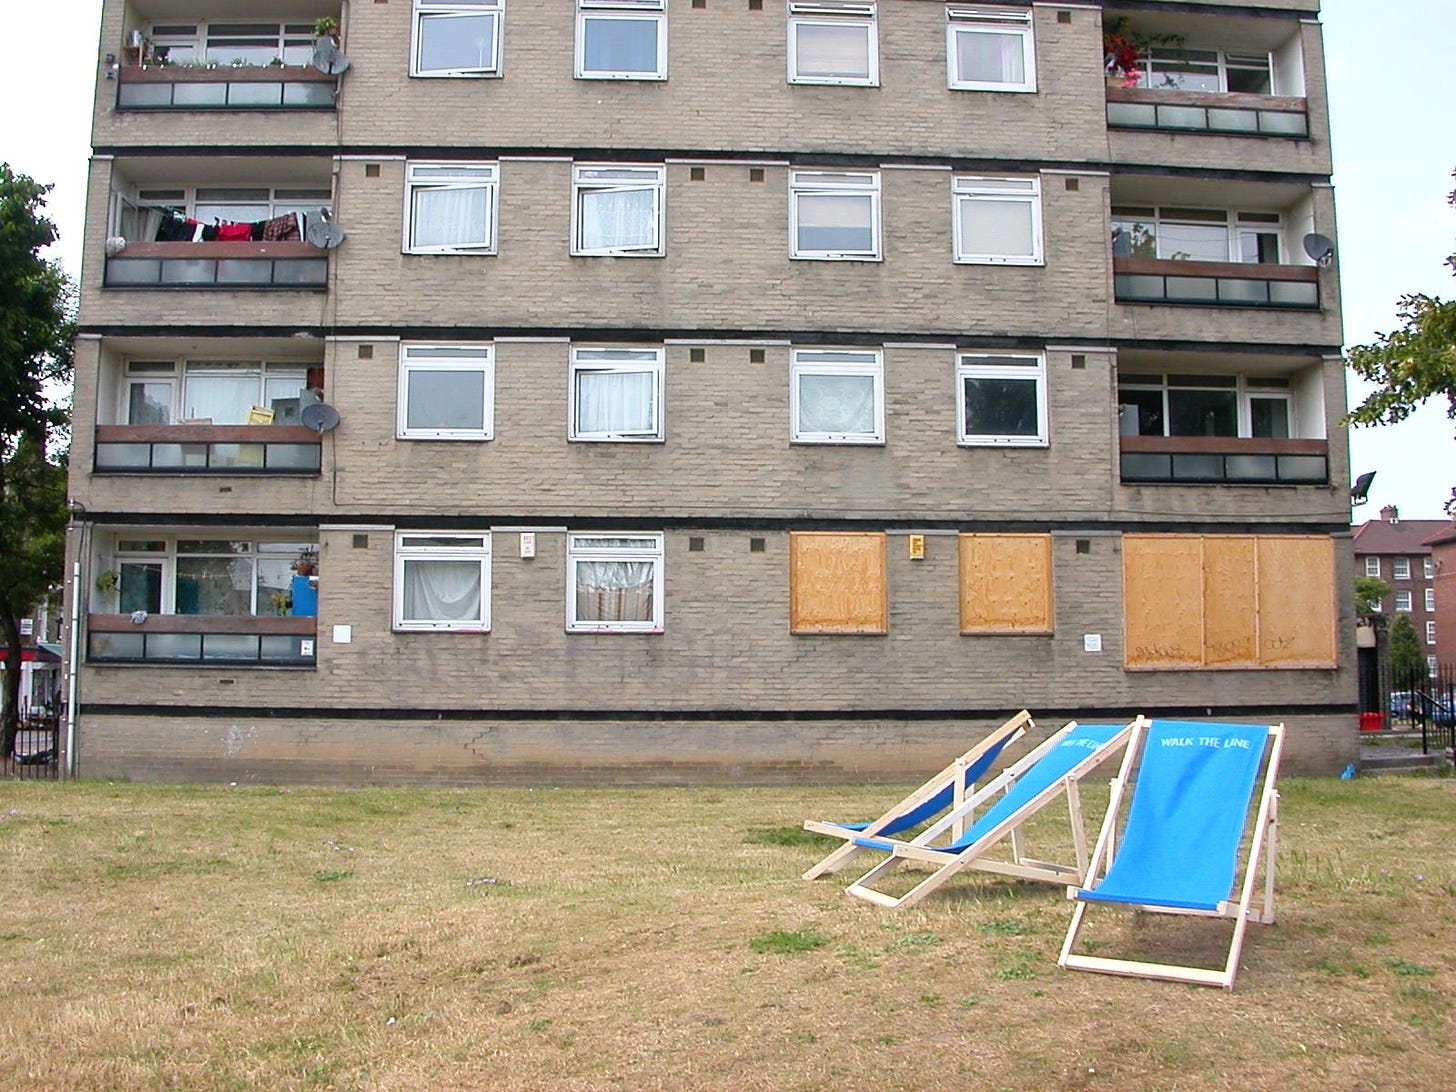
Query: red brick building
(1399, 552)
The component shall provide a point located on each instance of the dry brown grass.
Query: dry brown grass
(249, 938)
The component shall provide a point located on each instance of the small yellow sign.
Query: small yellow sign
(917, 547)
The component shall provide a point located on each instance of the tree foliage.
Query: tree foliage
(1411, 364)
(1407, 662)
(1369, 591)
(36, 332)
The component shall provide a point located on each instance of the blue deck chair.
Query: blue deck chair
(1014, 796)
(941, 793)
(1180, 847)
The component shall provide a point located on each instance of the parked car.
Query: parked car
(1400, 704)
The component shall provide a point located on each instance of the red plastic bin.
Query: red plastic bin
(1372, 722)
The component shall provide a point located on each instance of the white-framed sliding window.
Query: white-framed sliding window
(1196, 235)
(834, 42)
(1207, 70)
(617, 210)
(1431, 666)
(232, 43)
(621, 39)
(446, 392)
(1430, 633)
(442, 581)
(182, 575)
(215, 392)
(149, 394)
(456, 38)
(997, 221)
(450, 208)
(1372, 567)
(614, 583)
(837, 396)
(990, 49)
(1001, 399)
(1430, 599)
(834, 216)
(1401, 569)
(1249, 406)
(616, 394)
(1428, 568)
(1403, 601)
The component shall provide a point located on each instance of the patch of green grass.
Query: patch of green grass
(333, 875)
(1005, 927)
(915, 940)
(538, 1025)
(1417, 993)
(1014, 972)
(1405, 968)
(785, 836)
(788, 942)
(931, 999)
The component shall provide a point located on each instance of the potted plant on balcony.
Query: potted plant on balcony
(306, 563)
(326, 27)
(1124, 47)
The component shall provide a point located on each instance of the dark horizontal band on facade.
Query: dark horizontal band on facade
(707, 336)
(1192, 7)
(657, 716)
(780, 524)
(795, 159)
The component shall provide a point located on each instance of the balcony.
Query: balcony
(207, 449)
(229, 265)
(1223, 460)
(225, 87)
(1206, 112)
(1215, 284)
(191, 640)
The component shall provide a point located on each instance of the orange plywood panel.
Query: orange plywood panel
(1297, 615)
(1162, 582)
(1230, 617)
(837, 582)
(1006, 583)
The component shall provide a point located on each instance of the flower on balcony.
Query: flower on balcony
(1124, 47)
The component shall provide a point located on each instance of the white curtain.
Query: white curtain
(990, 58)
(832, 51)
(836, 221)
(451, 216)
(614, 591)
(222, 399)
(442, 591)
(997, 228)
(615, 219)
(837, 403)
(614, 402)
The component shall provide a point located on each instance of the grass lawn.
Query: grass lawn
(250, 938)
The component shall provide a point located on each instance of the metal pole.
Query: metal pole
(71, 682)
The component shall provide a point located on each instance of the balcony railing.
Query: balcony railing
(281, 87)
(1215, 284)
(295, 265)
(1206, 112)
(192, 639)
(207, 449)
(1223, 460)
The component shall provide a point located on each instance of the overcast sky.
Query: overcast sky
(1390, 102)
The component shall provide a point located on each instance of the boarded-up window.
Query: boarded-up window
(1228, 601)
(837, 582)
(1006, 583)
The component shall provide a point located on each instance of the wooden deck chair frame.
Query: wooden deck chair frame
(953, 775)
(1262, 846)
(922, 848)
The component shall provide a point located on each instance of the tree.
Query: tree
(1412, 364)
(36, 332)
(1369, 591)
(1407, 662)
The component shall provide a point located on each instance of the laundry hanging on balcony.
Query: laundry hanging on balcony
(179, 229)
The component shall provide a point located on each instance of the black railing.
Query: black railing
(37, 750)
(192, 640)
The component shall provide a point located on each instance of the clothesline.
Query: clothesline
(182, 229)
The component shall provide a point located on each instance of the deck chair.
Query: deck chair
(1014, 796)
(942, 792)
(1179, 849)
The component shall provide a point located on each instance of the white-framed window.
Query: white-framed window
(990, 49)
(232, 43)
(1207, 70)
(996, 220)
(1431, 668)
(450, 208)
(1372, 566)
(614, 583)
(617, 210)
(216, 392)
(183, 575)
(1001, 399)
(1400, 568)
(456, 38)
(1430, 599)
(1248, 406)
(1430, 633)
(1197, 235)
(1428, 567)
(621, 39)
(834, 215)
(616, 394)
(837, 396)
(446, 392)
(1403, 601)
(138, 217)
(442, 581)
(834, 42)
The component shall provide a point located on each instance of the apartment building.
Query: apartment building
(721, 390)
(1398, 551)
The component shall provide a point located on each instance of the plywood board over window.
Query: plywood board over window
(837, 582)
(1006, 583)
(1228, 601)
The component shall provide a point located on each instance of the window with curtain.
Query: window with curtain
(446, 392)
(616, 394)
(834, 216)
(990, 49)
(621, 39)
(225, 392)
(441, 581)
(617, 210)
(450, 208)
(997, 220)
(614, 583)
(837, 396)
(1002, 400)
(457, 38)
(205, 576)
(836, 43)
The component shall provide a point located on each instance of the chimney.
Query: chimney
(1390, 514)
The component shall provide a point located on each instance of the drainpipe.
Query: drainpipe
(71, 683)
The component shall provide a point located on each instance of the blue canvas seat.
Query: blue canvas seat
(1180, 847)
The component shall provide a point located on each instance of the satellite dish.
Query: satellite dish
(323, 232)
(1360, 491)
(1121, 244)
(1321, 248)
(319, 416)
(328, 59)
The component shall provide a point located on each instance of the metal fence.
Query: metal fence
(37, 751)
(1424, 702)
